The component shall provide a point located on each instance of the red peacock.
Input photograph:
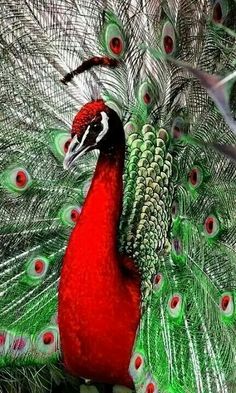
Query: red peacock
(147, 276)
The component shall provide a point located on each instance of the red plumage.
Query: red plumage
(87, 113)
(99, 293)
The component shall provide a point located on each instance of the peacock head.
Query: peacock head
(95, 126)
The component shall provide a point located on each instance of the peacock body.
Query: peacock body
(178, 218)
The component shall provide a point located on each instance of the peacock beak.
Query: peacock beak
(76, 149)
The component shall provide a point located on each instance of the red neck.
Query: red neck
(102, 208)
(98, 303)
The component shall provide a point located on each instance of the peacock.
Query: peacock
(117, 184)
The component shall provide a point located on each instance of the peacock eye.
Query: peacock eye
(146, 94)
(158, 281)
(178, 127)
(115, 41)
(176, 246)
(150, 386)
(96, 127)
(211, 226)
(69, 215)
(168, 39)
(37, 268)
(137, 366)
(5, 340)
(175, 305)
(20, 345)
(220, 11)
(47, 341)
(62, 142)
(174, 209)
(2, 338)
(195, 177)
(17, 179)
(226, 304)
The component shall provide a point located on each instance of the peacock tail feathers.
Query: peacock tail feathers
(186, 340)
(40, 202)
(35, 379)
(178, 219)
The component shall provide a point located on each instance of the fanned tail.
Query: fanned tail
(178, 219)
(40, 202)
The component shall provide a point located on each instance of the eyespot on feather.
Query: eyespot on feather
(5, 341)
(220, 10)
(195, 177)
(130, 127)
(177, 246)
(211, 226)
(17, 179)
(146, 94)
(19, 346)
(178, 127)
(158, 281)
(37, 268)
(115, 40)
(150, 386)
(137, 366)
(226, 305)
(168, 39)
(62, 142)
(47, 341)
(175, 305)
(174, 209)
(69, 215)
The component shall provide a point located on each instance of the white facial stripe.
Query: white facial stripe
(84, 151)
(71, 152)
(70, 155)
(72, 143)
(84, 136)
(105, 127)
